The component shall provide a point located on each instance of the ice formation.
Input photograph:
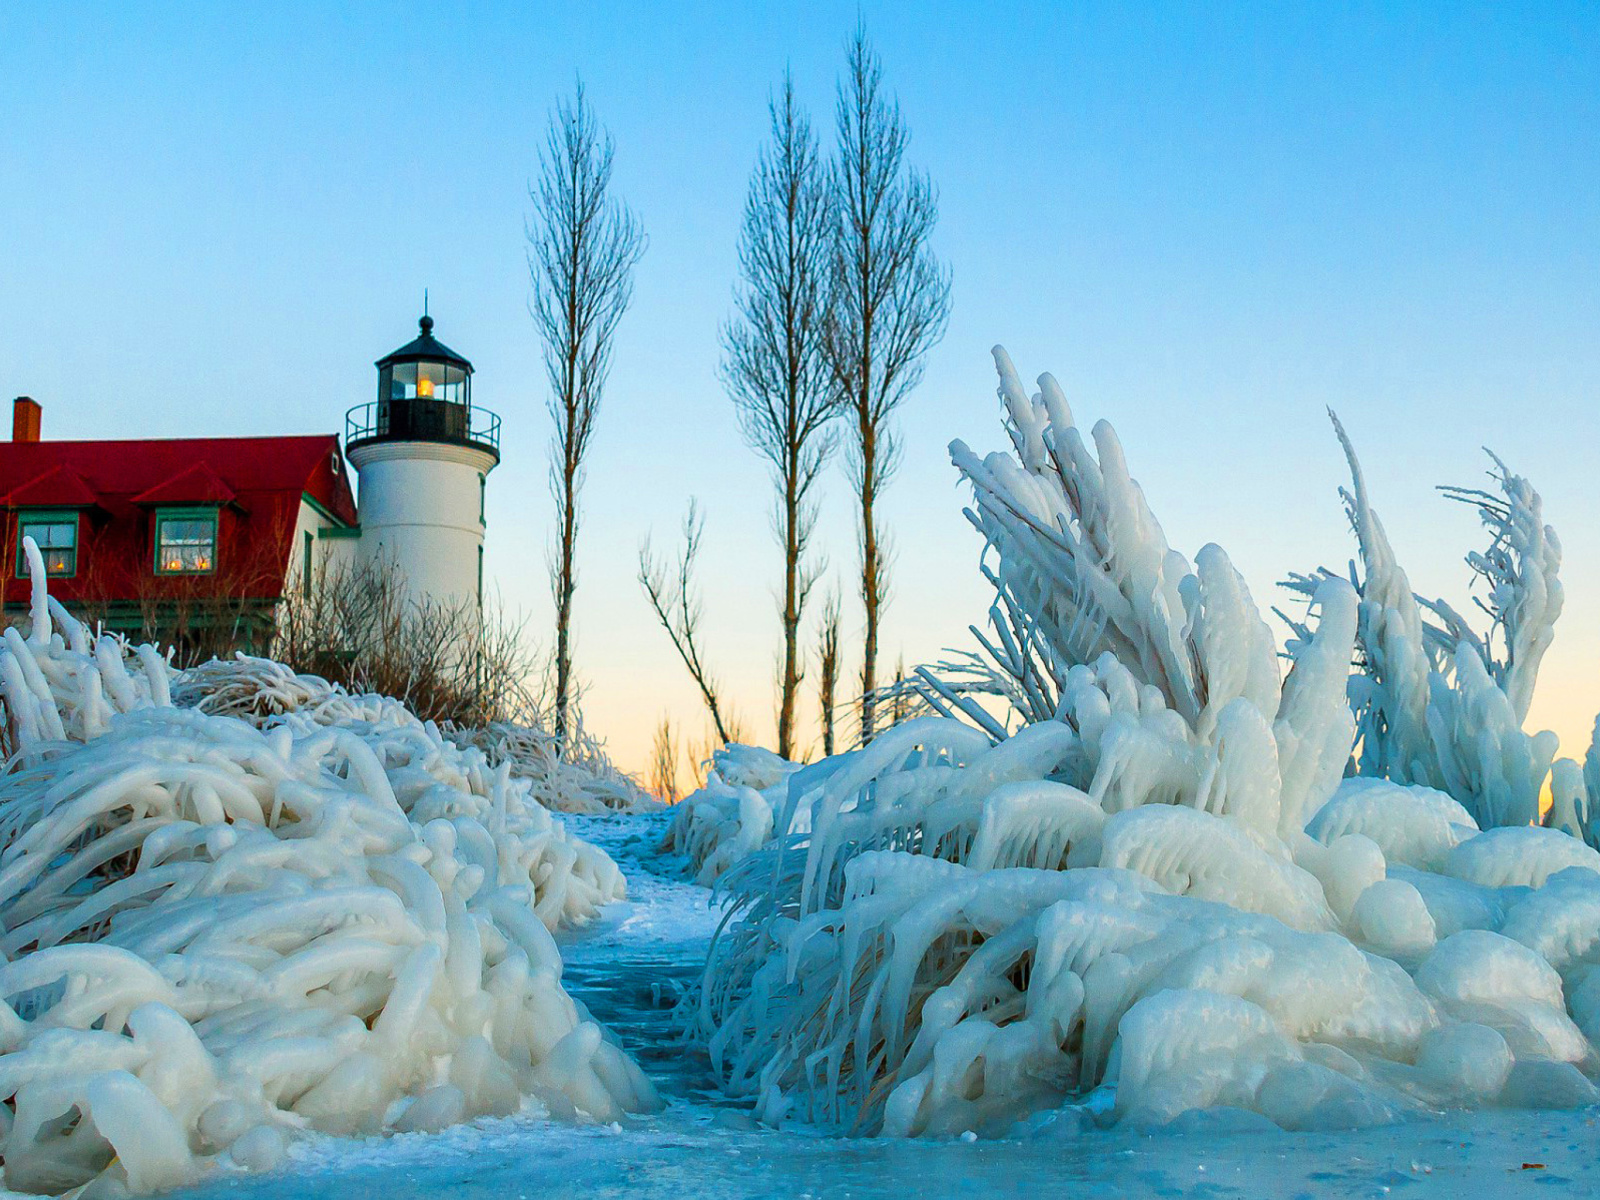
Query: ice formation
(732, 816)
(218, 932)
(1437, 703)
(1148, 888)
(571, 776)
(580, 779)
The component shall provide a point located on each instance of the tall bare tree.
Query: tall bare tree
(890, 302)
(775, 365)
(583, 244)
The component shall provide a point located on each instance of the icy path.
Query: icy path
(627, 969)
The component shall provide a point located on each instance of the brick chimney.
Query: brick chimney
(25, 417)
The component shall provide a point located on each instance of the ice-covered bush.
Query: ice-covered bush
(219, 931)
(1437, 703)
(1112, 898)
(61, 681)
(732, 816)
(571, 774)
(574, 777)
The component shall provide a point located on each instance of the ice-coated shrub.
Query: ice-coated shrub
(219, 931)
(1147, 890)
(732, 815)
(61, 682)
(1438, 704)
(570, 775)
(574, 776)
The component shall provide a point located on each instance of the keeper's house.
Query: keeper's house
(201, 539)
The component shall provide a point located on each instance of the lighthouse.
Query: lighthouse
(422, 453)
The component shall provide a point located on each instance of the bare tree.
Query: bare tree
(676, 602)
(664, 763)
(583, 246)
(774, 363)
(828, 670)
(890, 302)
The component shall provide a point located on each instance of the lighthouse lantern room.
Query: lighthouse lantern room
(422, 453)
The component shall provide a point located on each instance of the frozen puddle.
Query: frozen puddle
(629, 967)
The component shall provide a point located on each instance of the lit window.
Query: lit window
(186, 543)
(57, 537)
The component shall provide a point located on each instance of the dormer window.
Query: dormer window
(186, 541)
(56, 534)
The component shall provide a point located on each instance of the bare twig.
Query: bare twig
(677, 606)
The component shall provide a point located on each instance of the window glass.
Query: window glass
(57, 537)
(423, 381)
(187, 544)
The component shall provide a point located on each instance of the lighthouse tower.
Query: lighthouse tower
(422, 452)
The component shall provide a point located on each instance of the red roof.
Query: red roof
(259, 464)
(258, 483)
(59, 487)
(198, 485)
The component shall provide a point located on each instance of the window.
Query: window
(483, 487)
(305, 571)
(56, 534)
(186, 542)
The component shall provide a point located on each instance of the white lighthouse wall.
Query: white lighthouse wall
(332, 549)
(421, 509)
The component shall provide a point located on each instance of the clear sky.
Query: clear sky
(1210, 221)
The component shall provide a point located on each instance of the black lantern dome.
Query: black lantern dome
(424, 395)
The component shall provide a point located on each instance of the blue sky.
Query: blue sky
(1209, 221)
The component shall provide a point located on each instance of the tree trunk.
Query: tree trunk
(870, 570)
(791, 614)
(564, 589)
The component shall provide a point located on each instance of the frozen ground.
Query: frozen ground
(630, 966)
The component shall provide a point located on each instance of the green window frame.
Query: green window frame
(483, 490)
(305, 571)
(186, 541)
(56, 532)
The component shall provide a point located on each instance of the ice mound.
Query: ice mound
(580, 779)
(1146, 890)
(1416, 825)
(218, 934)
